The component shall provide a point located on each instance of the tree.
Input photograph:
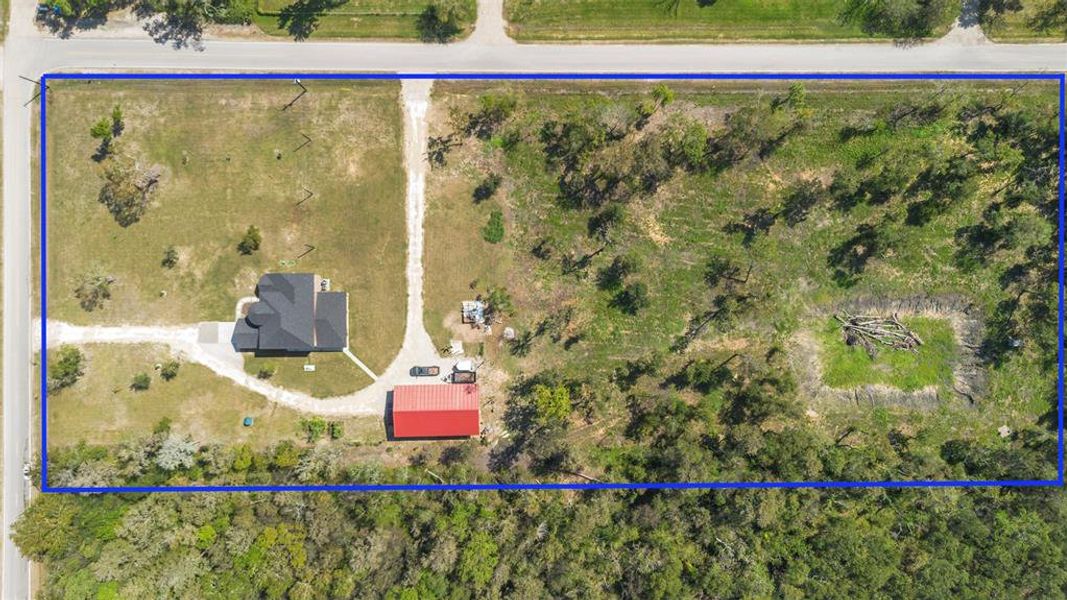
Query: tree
(141, 382)
(251, 241)
(169, 370)
(336, 429)
(313, 428)
(487, 188)
(102, 131)
(176, 453)
(904, 19)
(118, 124)
(442, 20)
(493, 232)
(498, 302)
(170, 257)
(127, 189)
(614, 275)
(552, 405)
(65, 370)
(632, 299)
(93, 290)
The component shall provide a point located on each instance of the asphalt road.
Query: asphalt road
(27, 53)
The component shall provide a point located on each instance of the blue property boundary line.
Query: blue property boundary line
(1058, 482)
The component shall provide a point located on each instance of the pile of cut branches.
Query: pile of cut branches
(873, 332)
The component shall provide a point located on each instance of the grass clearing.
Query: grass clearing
(1037, 21)
(101, 408)
(230, 156)
(847, 366)
(651, 20)
(334, 375)
(360, 19)
(626, 378)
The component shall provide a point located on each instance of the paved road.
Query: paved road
(29, 54)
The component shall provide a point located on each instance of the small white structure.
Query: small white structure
(473, 312)
(455, 348)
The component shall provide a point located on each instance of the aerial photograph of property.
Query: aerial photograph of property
(466, 281)
(533, 299)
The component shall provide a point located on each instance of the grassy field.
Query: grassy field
(721, 20)
(1038, 21)
(574, 326)
(334, 375)
(850, 366)
(101, 408)
(232, 156)
(367, 19)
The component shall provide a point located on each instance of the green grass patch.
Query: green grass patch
(334, 375)
(1036, 21)
(847, 366)
(360, 19)
(102, 408)
(722, 20)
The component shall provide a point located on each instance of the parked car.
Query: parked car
(425, 371)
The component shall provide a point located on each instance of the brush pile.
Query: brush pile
(873, 332)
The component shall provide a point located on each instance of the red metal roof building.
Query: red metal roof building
(435, 410)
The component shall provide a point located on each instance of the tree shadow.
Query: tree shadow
(177, 30)
(301, 18)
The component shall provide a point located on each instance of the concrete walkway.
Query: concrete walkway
(208, 343)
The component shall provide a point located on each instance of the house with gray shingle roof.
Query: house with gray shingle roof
(293, 316)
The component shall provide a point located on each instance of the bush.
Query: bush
(169, 370)
(141, 382)
(313, 428)
(170, 257)
(487, 188)
(267, 371)
(632, 299)
(251, 241)
(336, 429)
(93, 291)
(493, 232)
(66, 369)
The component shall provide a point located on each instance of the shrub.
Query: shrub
(170, 257)
(336, 429)
(251, 241)
(493, 232)
(66, 369)
(487, 188)
(141, 382)
(632, 298)
(267, 371)
(93, 291)
(313, 428)
(169, 370)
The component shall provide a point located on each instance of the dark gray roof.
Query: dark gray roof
(331, 320)
(287, 319)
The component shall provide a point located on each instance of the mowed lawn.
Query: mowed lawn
(101, 408)
(848, 367)
(334, 375)
(551, 20)
(323, 180)
(1037, 21)
(373, 19)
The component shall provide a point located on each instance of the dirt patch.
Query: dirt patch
(969, 379)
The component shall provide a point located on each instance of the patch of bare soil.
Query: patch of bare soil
(968, 376)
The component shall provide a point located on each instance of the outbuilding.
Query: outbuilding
(435, 411)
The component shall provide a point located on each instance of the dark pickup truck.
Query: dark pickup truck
(425, 371)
